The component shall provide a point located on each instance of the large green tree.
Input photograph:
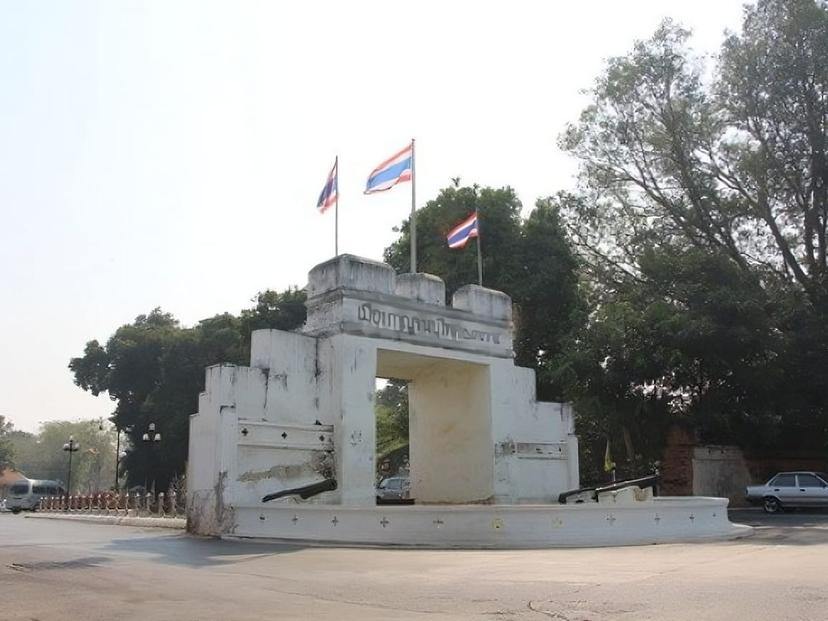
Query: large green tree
(153, 368)
(701, 219)
(529, 259)
(391, 408)
(41, 456)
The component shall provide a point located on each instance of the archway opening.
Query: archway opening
(450, 452)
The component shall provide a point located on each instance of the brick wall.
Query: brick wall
(677, 463)
(763, 467)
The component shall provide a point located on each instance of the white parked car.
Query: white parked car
(791, 489)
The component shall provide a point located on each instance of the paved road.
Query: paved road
(52, 570)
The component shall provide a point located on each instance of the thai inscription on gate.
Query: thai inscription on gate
(417, 324)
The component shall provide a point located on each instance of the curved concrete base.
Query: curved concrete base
(661, 520)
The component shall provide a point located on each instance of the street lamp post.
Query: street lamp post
(151, 436)
(117, 454)
(70, 447)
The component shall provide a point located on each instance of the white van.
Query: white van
(25, 495)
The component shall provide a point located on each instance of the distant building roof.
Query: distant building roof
(9, 476)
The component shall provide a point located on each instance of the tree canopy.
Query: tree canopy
(41, 456)
(391, 407)
(700, 218)
(154, 369)
(529, 259)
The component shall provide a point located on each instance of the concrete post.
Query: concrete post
(572, 461)
(354, 376)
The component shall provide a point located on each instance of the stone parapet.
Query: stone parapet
(483, 302)
(347, 271)
(425, 288)
(361, 297)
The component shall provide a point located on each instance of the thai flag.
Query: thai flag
(328, 194)
(392, 171)
(460, 234)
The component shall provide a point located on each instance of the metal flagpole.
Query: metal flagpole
(336, 209)
(413, 218)
(479, 254)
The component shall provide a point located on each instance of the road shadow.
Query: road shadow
(794, 528)
(77, 563)
(195, 551)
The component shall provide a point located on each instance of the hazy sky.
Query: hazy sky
(170, 153)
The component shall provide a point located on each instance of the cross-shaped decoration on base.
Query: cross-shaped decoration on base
(438, 522)
(657, 518)
(335, 521)
(692, 517)
(611, 519)
(384, 521)
(295, 519)
(244, 432)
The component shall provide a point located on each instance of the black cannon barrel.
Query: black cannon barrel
(304, 492)
(648, 481)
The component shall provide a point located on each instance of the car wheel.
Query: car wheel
(15, 511)
(771, 505)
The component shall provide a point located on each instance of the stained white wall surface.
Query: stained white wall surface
(720, 471)
(304, 409)
(450, 427)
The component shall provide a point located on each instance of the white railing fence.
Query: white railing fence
(109, 503)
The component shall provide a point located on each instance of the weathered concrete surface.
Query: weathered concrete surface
(49, 567)
(482, 301)
(425, 288)
(615, 521)
(303, 411)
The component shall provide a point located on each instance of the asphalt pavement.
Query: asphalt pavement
(51, 569)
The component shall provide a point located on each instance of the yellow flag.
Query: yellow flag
(609, 465)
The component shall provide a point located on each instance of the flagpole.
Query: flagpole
(479, 253)
(413, 235)
(336, 209)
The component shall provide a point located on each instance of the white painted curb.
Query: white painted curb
(116, 520)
